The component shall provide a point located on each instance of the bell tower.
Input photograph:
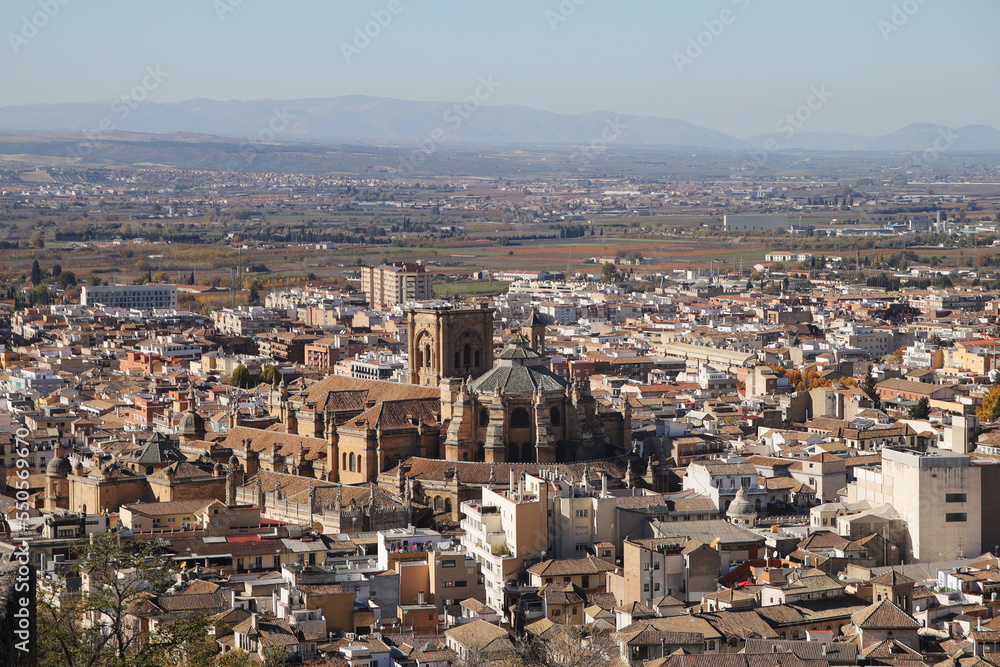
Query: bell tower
(449, 343)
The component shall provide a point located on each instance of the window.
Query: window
(448, 563)
(461, 583)
(645, 588)
(447, 584)
(954, 517)
(656, 565)
(954, 497)
(580, 514)
(656, 586)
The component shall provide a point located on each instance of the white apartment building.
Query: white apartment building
(245, 320)
(543, 517)
(173, 347)
(395, 284)
(721, 481)
(140, 297)
(939, 497)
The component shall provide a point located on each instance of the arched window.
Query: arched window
(520, 419)
(555, 417)
(484, 417)
(447, 505)
(756, 504)
(465, 456)
(351, 459)
(528, 452)
(513, 453)
(343, 466)
(467, 354)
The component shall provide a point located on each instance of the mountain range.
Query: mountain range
(378, 120)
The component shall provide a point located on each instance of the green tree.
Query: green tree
(66, 279)
(56, 270)
(609, 272)
(36, 273)
(922, 410)
(268, 375)
(868, 386)
(92, 630)
(254, 297)
(240, 377)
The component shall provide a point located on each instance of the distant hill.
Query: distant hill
(373, 120)
(365, 119)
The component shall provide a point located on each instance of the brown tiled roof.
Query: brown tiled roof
(262, 440)
(478, 473)
(566, 567)
(884, 614)
(476, 635)
(209, 602)
(742, 624)
(376, 390)
(389, 415)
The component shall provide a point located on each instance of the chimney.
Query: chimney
(520, 488)
(510, 488)
(420, 598)
(604, 485)
(255, 621)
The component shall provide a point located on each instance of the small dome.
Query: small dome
(191, 424)
(59, 466)
(741, 505)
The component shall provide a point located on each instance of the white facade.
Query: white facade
(939, 497)
(141, 297)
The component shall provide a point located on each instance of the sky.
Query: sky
(739, 66)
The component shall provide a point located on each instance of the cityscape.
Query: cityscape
(398, 344)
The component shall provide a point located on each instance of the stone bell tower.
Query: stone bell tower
(449, 343)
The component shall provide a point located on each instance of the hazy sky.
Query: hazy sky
(879, 64)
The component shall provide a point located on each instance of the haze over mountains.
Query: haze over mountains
(375, 119)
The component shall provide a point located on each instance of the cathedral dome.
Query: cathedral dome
(741, 506)
(59, 466)
(191, 423)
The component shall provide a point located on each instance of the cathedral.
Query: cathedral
(462, 404)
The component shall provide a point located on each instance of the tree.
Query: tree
(609, 273)
(254, 297)
(56, 270)
(93, 630)
(922, 410)
(36, 273)
(571, 646)
(66, 279)
(989, 411)
(868, 386)
(268, 374)
(240, 377)
(190, 280)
